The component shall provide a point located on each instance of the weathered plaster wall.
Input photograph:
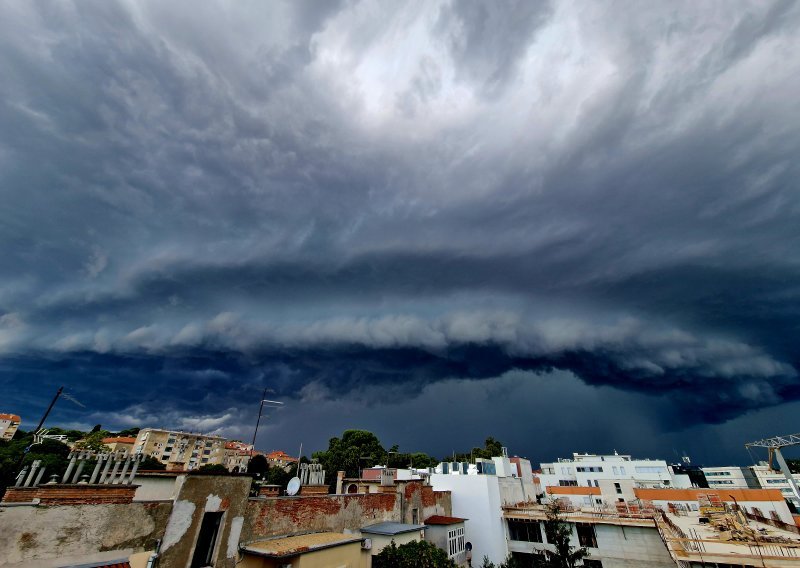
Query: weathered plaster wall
(276, 516)
(287, 515)
(199, 495)
(60, 535)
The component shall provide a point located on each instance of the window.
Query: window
(649, 469)
(567, 483)
(414, 516)
(616, 470)
(525, 531)
(589, 563)
(618, 488)
(455, 541)
(621, 470)
(207, 540)
(586, 535)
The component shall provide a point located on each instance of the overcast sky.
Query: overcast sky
(574, 226)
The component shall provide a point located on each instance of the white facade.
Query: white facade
(588, 470)
(480, 499)
(771, 479)
(730, 478)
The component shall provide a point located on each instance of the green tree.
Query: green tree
(150, 463)
(415, 554)
(215, 468)
(258, 466)
(355, 449)
(128, 433)
(558, 533)
(51, 453)
(94, 441)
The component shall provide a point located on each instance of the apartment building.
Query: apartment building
(279, 458)
(663, 528)
(9, 423)
(731, 478)
(622, 472)
(120, 443)
(769, 478)
(181, 450)
(238, 456)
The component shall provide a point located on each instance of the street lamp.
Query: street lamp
(271, 404)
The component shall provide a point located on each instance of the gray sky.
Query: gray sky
(574, 226)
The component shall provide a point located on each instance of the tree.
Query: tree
(128, 433)
(258, 466)
(94, 441)
(151, 463)
(51, 453)
(558, 533)
(356, 449)
(215, 468)
(415, 554)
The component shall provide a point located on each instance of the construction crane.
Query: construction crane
(774, 446)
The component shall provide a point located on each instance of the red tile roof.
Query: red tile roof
(12, 417)
(442, 520)
(119, 440)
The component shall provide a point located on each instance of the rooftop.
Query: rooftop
(298, 544)
(12, 417)
(390, 528)
(119, 440)
(442, 520)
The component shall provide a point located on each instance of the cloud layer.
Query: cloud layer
(206, 200)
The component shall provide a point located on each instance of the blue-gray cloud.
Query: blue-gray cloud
(217, 197)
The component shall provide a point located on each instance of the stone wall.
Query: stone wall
(61, 535)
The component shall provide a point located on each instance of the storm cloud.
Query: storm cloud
(368, 201)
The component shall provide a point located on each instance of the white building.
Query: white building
(771, 479)
(590, 470)
(180, 450)
(480, 497)
(730, 478)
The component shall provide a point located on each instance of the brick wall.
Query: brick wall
(20, 494)
(72, 494)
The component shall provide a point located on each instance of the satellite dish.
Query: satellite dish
(293, 487)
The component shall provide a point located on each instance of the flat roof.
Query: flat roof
(443, 520)
(389, 528)
(283, 546)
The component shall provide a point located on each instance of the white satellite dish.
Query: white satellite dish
(293, 487)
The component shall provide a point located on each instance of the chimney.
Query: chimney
(339, 481)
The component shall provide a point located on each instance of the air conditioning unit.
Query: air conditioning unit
(366, 544)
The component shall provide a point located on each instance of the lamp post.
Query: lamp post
(272, 403)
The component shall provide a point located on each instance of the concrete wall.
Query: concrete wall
(343, 556)
(617, 547)
(75, 534)
(198, 495)
(381, 541)
(157, 487)
(477, 498)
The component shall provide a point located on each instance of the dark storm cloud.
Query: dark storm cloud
(349, 196)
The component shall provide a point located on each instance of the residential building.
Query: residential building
(238, 456)
(120, 443)
(730, 478)
(9, 423)
(319, 549)
(590, 470)
(384, 533)
(663, 528)
(180, 450)
(478, 492)
(769, 478)
(449, 534)
(279, 458)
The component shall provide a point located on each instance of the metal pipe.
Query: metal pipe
(21, 476)
(34, 467)
(39, 477)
